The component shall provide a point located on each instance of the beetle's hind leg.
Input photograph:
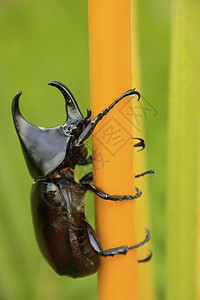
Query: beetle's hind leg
(105, 196)
(124, 249)
(113, 251)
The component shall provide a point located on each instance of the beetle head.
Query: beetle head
(46, 148)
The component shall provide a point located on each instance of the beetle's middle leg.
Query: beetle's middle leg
(85, 162)
(86, 178)
(144, 173)
(141, 144)
(105, 196)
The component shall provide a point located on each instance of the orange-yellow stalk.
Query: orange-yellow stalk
(110, 76)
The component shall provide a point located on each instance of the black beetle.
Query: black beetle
(65, 238)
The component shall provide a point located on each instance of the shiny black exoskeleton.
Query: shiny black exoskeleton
(65, 238)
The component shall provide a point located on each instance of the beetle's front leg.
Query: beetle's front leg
(105, 196)
(146, 259)
(92, 124)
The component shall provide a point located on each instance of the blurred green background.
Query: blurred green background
(48, 40)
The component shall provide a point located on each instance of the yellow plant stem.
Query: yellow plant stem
(142, 205)
(110, 76)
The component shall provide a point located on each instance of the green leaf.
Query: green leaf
(183, 147)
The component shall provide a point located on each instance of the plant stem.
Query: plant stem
(110, 76)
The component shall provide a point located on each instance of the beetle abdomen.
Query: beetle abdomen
(65, 246)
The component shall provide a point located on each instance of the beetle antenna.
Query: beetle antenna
(87, 118)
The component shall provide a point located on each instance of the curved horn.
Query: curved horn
(72, 109)
(15, 104)
(19, 121)
(44, 148)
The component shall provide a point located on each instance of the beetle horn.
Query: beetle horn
(24, 130)
(72, 109)
(44, 148)
(19, 121)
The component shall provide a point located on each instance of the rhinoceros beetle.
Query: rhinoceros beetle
(65, 238)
